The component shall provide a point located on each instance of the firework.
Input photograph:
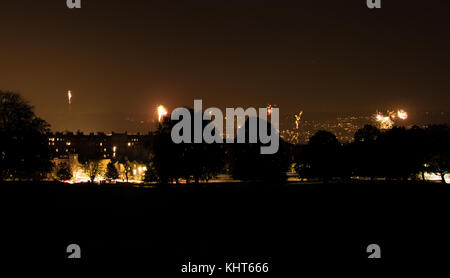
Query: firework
(298, 118)
(69, 97)
(162, 112)
(379, 117)
(387, 122)
(402, 114)
(269, 109)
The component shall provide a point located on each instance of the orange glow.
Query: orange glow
(379, 117)
(269, 109)
(69, 97)
(162, 112)
(402, 114)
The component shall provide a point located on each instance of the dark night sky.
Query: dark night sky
(122, 58)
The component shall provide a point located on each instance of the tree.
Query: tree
(167, 155)
(111, 171)
(362, 154)
(321, 156)
(396, 151)
(24, 151)
(150, 174)
(367, 134)
(191, 161)
(64, 172)
(248, 164)
(438, 158)
(127, 167)
(418, 146)
(92, 168)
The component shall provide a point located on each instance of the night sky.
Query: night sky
(122, 58)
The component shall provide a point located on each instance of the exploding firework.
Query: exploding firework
(162, 112)
(387, 122)
(402, 114)
(379, 117)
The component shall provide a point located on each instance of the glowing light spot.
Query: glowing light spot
(69, 97)
(402, 114)
(162, 112)
(269, 109)
(387, 122)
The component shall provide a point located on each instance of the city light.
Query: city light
(379, 117)
(162, 112)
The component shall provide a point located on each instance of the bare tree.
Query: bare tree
(92, 168)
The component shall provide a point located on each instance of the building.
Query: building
(130, 152)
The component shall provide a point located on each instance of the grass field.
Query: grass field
(290, 226)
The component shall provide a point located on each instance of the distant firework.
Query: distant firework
(298, 118)
(69, 97)
(388, 121)
(402, 114)
(269, 109)
(162, 112)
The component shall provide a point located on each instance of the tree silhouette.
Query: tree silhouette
(418, 146)
(438, 157)
(166, 157)
(24, 151)
(367, 134)
(92, 168)
(127, 167)
(111, 171)
(362, 154)
(321, 156)
(191, 161)
(248, 164)
(64, 172)
(395, 149)
(150, 174)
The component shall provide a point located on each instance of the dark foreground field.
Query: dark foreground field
(292, 227)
